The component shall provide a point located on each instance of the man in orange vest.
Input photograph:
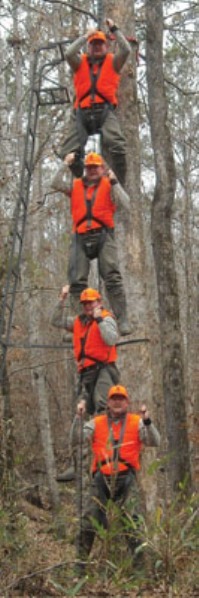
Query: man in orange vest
(94, 342)
(96, 81)
(94, 200)
(117, 438)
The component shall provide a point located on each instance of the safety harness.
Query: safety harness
(89, 203)
(116, 444)
(98, 112)
(94, 245)
(93, 90)
(83, 354)
(88, 376)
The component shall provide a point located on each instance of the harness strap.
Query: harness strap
(89, 204)
(89, 207)
(97, 92)
(83, 354)
(93, 90)
(120, 460)
(94, 78)
(83, 342)
(116, 444)
(97, 361)
(93, 218)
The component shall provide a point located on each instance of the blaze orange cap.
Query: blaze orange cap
(93, 159)
(89, 295)
(97, 35)
(118, 390)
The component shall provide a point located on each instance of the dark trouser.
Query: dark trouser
(95, 383)
(91, 121)
(103, 489)
(100, 244)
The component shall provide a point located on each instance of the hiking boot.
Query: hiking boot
(80, 569)
(124, 328)
(118, 305)
(119, 167)
(67, 476)
(67, 338)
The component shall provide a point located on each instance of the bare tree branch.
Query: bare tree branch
(76, 8)
(183, 91)
(179, 12)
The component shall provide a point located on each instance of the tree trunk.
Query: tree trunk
(135, 359)
(36, 337)
(170, 332)
(7, 189)
(18, 83)
(129, 229)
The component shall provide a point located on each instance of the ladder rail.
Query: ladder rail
(9, 294)
(21, 209)
(100, 13)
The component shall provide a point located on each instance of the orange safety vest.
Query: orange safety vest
(92, 207)
(96, 83)
(104, 444)
(89, 346)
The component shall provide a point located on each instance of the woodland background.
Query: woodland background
(158, 254)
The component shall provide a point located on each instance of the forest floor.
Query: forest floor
(37, 553)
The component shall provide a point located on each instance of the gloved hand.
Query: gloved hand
(97, 312)
(145, 415)
(112, 176)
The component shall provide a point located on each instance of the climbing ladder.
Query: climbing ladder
(45, 91)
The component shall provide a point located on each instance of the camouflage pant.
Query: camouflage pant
(101, 245)
(123, 491)
(94, 386)
(113, 141)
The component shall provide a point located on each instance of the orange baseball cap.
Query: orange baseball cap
(97, 35)
(93, 159)
(89, 295)
(118, 390)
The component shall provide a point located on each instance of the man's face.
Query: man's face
(117, 405)
(89, 307)
(94, 172)
(97, 48)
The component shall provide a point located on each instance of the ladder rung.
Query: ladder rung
(8, 307)
(16, 274)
